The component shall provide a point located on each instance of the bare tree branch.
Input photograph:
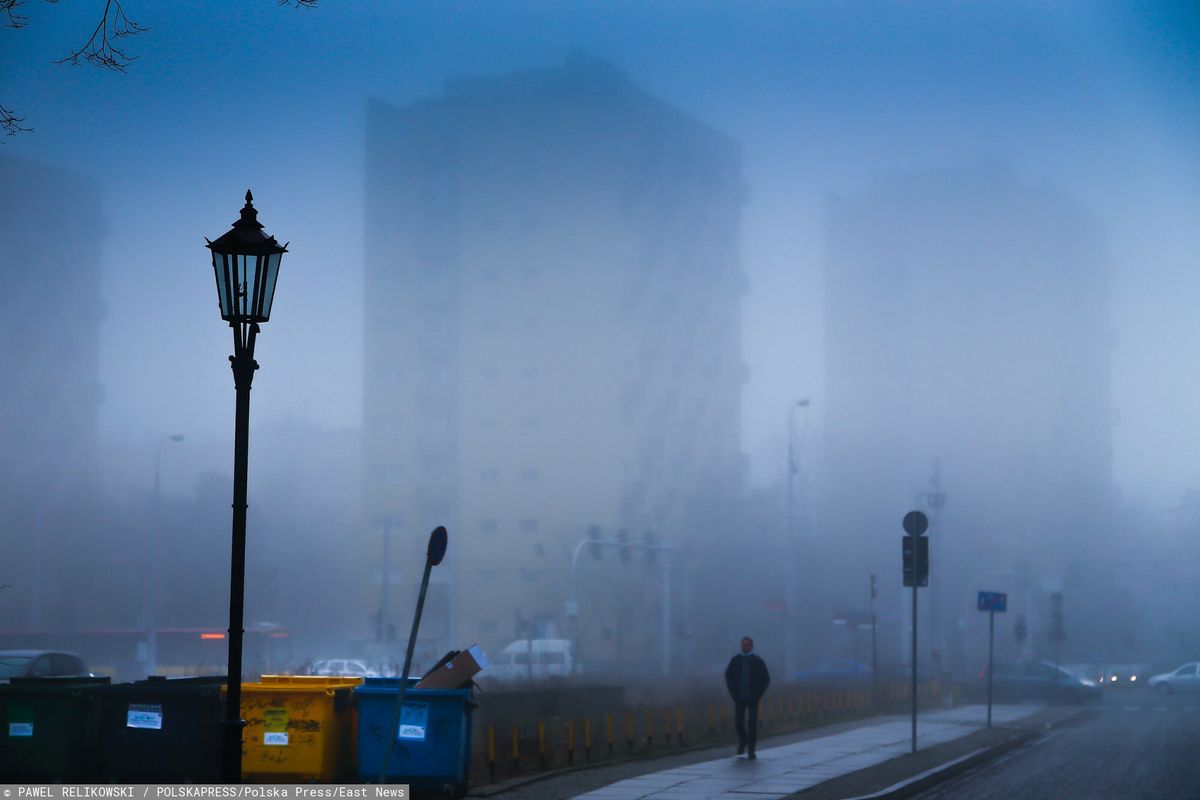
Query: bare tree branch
(98, 50)
(11, 123)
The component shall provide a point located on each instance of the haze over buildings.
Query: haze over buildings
(552, 343)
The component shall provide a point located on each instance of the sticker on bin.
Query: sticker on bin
(145, 716)
(414, 718)
(20, 729)
(275, 724)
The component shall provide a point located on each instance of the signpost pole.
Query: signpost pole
(916, 573)
(914, 669)
(433, 556)
(991, 639)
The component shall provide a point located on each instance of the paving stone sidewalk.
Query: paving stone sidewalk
(843, 760)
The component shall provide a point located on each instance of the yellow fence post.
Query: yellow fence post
(542, 743)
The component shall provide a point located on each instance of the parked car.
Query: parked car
(337, 667)
(1182, 679)
(41, 664)
(530, 659)
(1038, 680)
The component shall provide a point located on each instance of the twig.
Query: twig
(99, 51)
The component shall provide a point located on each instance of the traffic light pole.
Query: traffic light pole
(914, 669)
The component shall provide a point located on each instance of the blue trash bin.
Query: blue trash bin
(433, 743)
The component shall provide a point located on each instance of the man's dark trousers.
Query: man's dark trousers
(742, 709)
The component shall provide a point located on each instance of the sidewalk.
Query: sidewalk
(786, 769)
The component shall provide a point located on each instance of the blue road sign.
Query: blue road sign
(993, 601)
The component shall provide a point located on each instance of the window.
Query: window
(488, 576)
(488, 526)
(1186, 669)
(529, 373)
(529, 526)
(490, 423)
(489, 477)
(491, 374)
(529, 575)
(530, 423)
(530, 475)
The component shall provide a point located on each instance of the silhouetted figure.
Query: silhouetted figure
(747, 679)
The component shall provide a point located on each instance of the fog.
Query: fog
(964, 235)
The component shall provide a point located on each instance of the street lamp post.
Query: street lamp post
(246, 264)
(156, 578)
(791, 600)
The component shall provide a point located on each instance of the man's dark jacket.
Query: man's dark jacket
(759, 679)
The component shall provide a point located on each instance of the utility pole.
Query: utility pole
(934, 500)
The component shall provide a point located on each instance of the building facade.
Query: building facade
(50, 315)
(552, 343)
(968, 341)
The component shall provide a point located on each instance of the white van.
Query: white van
(536, 659)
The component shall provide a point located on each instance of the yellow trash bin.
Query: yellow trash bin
(299, 728)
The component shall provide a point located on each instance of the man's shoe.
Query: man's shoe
(751, 755)
(741, 749)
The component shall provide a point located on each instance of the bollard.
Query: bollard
(491, 752)
(650, 728)
(570, 741)
(542, 743)
(516, 749)
(679, 725)
(587, 738)
(611, 737)
(712, 722)
(667, 725)
(629, 730)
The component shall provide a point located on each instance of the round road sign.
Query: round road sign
(915, 523)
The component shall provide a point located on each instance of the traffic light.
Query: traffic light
(915, 554)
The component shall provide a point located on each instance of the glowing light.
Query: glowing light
(212, 636)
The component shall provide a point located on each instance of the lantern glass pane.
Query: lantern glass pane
(248, 269)
(269, 278)
(222, 276)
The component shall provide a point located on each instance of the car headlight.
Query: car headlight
(1133, 677)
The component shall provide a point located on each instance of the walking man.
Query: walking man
(747, 680)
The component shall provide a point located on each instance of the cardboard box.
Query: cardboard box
(455, 673)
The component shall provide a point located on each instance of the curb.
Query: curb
(963, 764)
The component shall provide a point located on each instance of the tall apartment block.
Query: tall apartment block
(969, 341)
(50, 314)
(552, 343)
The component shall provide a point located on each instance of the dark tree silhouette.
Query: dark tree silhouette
(104, 48)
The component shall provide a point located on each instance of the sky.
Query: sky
(1101, 99)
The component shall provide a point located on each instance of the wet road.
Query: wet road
(1133, 744)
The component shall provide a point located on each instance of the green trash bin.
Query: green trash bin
(44, 721)
(158, 730)
(433, 743)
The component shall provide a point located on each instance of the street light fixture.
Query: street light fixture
(156, 578)
(246, 264)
